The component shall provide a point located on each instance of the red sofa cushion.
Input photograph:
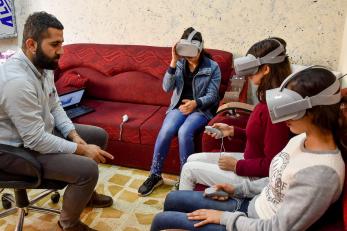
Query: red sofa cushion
(151, 127)
(108, 115)
(70, 81)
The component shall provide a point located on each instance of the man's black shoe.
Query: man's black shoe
(150, 184)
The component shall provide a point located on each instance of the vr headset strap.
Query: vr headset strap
(250, 64)
(191, 35)
(307, 103)
(325, 97)
(273, 56)
(332, 89)
(277, 51)
(328, 96)
(272, 60)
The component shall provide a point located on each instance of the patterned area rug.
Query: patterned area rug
(129, 211)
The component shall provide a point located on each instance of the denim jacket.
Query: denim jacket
(205, 85)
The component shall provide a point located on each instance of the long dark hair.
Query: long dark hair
(197, 37)
(278, 71)
(327, 117)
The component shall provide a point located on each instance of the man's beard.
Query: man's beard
(42, 61)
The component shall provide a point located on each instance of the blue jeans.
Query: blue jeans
(178, 203)
(186, 126)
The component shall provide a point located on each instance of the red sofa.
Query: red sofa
(127, 79)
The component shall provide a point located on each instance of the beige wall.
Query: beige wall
(312, 29)
(343, 55)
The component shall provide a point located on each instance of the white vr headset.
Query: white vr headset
(285, 104)
(189, 47)
(249, 65)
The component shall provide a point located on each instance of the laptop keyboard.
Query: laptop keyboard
(75, 112)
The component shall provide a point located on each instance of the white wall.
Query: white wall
(343, 56)
(313, 29)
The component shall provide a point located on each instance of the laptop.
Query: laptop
(70, 102)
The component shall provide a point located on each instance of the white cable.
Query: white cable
(120, 130)
(222, 148)
(125, 118)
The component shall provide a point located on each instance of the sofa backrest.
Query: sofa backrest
(128, 73)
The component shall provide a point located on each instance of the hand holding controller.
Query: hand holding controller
(214, 192)
(210, 129)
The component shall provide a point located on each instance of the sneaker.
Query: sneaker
(150, 184)
(98, 200)
(78, 227)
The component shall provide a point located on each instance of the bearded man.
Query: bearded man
(31, 117)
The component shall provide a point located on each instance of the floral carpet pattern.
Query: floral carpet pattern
(129, 211)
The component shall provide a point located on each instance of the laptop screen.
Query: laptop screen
(71, 98)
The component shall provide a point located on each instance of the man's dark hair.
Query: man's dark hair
(37, 25)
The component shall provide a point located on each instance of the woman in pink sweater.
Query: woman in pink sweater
(263, 139)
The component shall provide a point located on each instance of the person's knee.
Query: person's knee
(167, 132)
(184, 133)
(192, 166)
(158, 221)
(187, 172)
(185, 169)
(171, 200)
(194, 157)
(102, 136)
(88, 170)
(168, 201)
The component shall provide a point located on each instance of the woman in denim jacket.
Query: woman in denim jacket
(195, 84)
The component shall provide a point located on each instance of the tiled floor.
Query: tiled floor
(129, 211)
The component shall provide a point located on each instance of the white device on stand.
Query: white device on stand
(125, 118)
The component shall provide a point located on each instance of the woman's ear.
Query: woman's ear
(265, 69)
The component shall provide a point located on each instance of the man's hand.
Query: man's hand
(187, 106)
(224, 128)
(93, 152)
(207, 216)
(227, 163)
(74, 137)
